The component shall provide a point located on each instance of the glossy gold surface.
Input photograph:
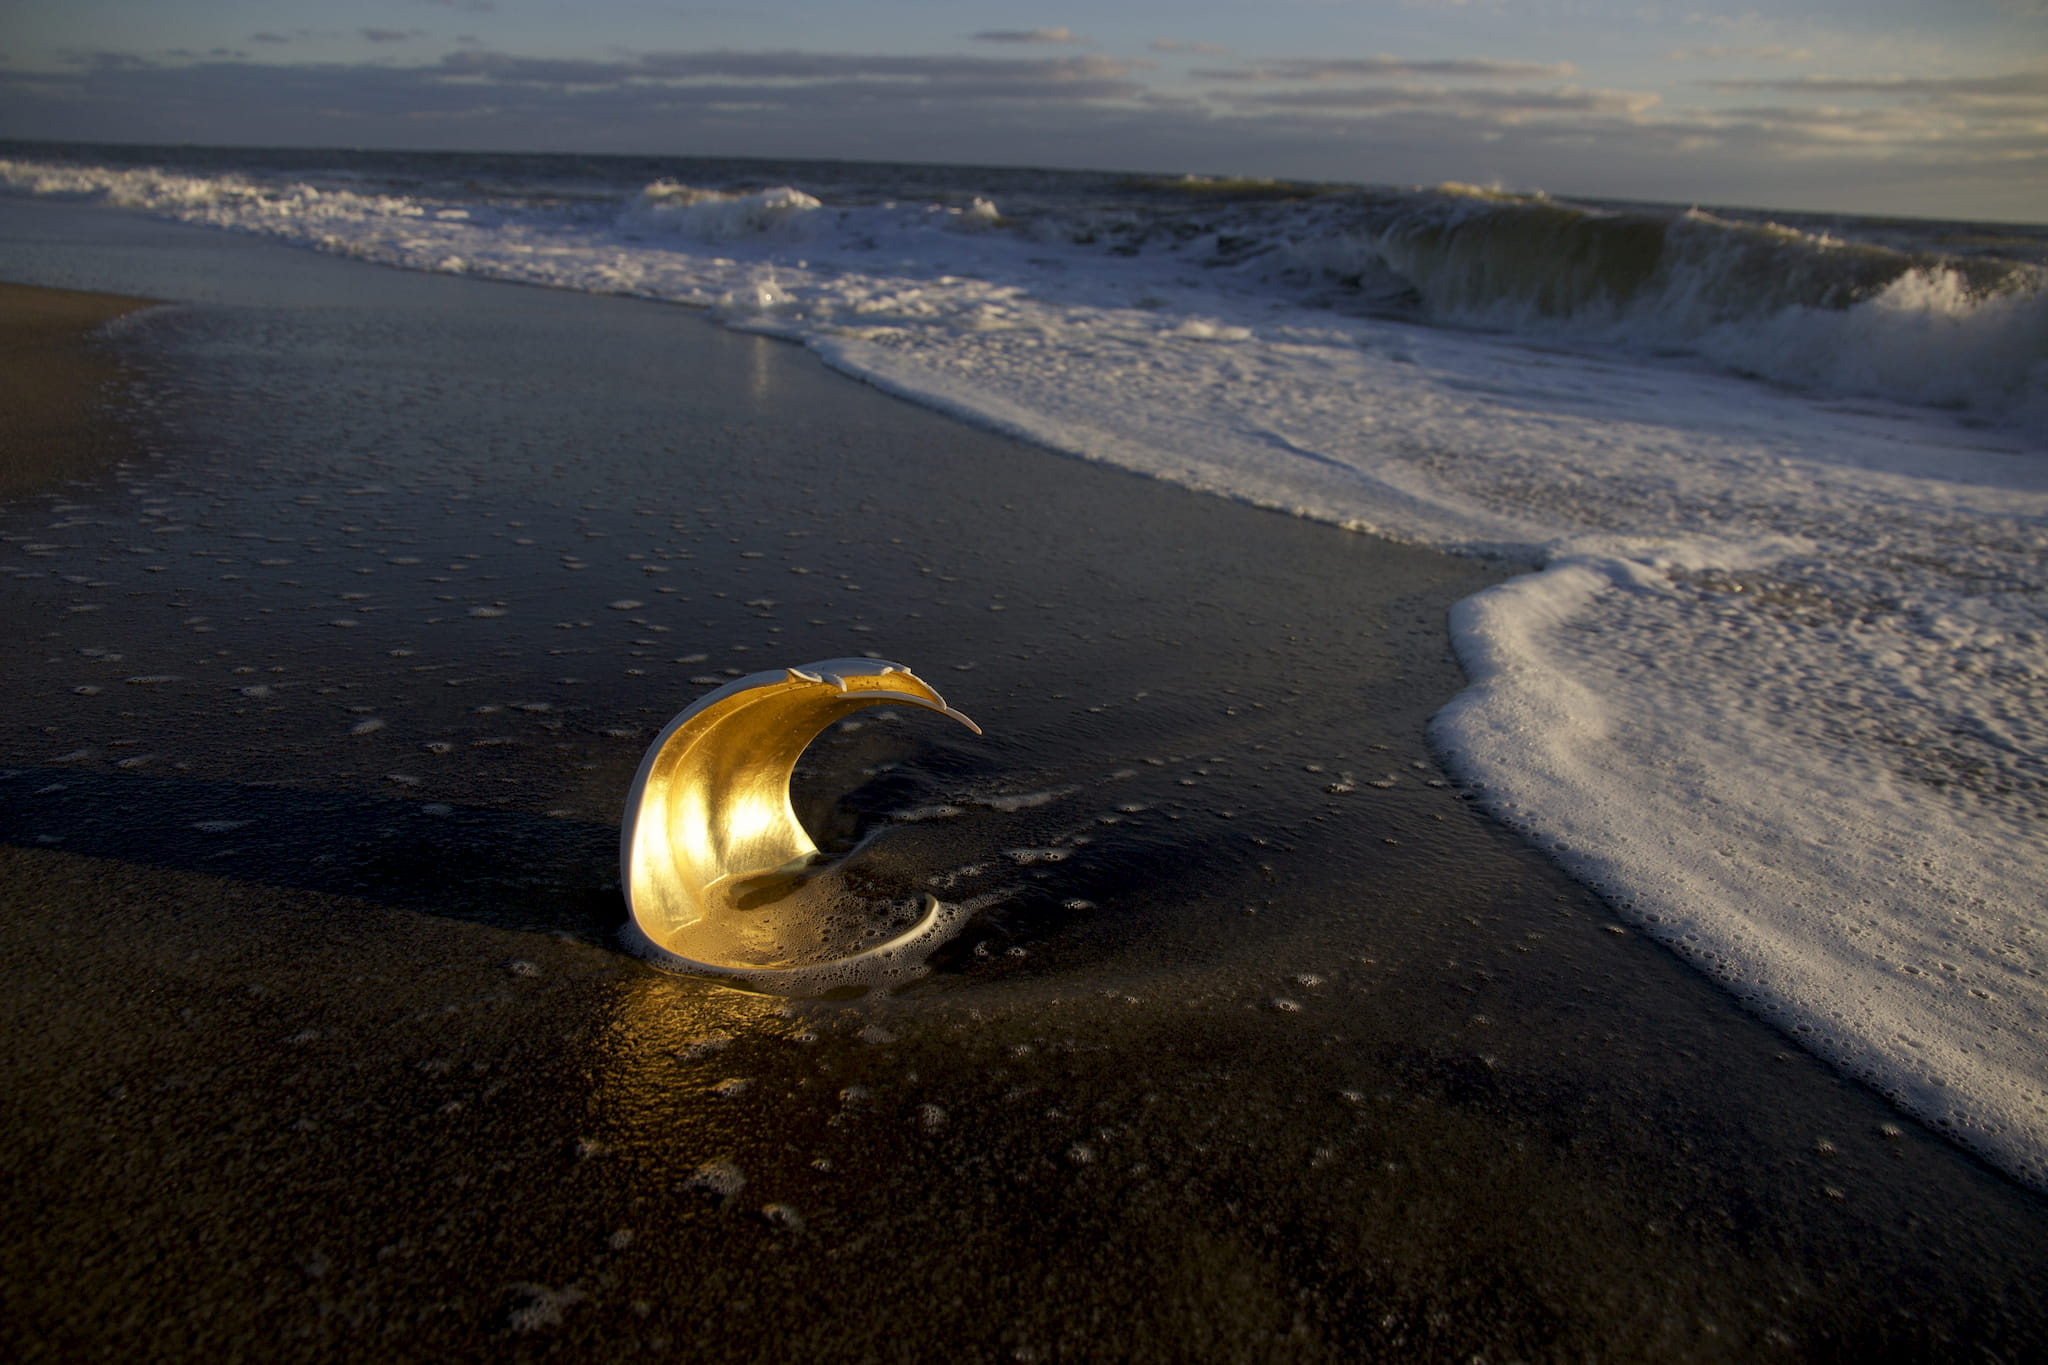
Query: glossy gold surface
(713, 859)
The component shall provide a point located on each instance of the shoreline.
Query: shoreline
(1315, 1072)
(54, 374)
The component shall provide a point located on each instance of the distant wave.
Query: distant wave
(719, 216)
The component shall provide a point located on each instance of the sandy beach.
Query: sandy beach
(326, 680)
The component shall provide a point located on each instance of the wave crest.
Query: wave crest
(1763, 300)
(781, 213)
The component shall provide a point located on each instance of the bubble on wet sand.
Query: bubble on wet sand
(704, 1046)
(922, 813)
(1016, 801)
(721, 1179)
(782, 1216)
(1031, 856)
(540, 1306)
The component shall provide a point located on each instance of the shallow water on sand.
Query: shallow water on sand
(1260, 1041)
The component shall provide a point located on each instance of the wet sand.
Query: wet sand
(52, 382)
(1263, 1044)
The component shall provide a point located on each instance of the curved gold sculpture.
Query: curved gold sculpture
(713, 860)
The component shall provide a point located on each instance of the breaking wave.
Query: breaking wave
(1763, 300)
(1757, 298)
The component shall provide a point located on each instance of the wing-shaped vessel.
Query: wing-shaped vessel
(712, 857)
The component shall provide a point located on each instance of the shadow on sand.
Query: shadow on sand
(503, 868)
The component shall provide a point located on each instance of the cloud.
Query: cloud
(950, 110)
(1028, 35)
(1714, 52)
(102, 60)
(1509, 104)
(1324, 69)
(389, 35)
(781, 66)
(268, 38)
(1817, 137)
(1176, 45)
(2012, 83)
(467, 6)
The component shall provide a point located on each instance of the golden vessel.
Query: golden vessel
(715, 864)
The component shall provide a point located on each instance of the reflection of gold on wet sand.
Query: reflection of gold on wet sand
(50, 377)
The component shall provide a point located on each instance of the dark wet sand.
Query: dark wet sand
(319, 1042)
(52, 382)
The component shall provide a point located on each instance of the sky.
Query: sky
(1923, 108)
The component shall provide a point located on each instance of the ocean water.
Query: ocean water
(1776, 682)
